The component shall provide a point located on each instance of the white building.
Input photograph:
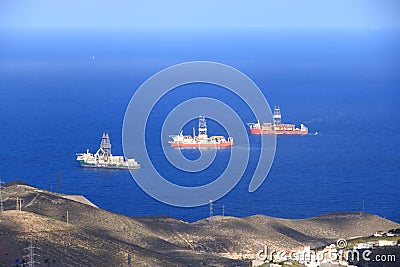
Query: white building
(384, 243)
(363, 246)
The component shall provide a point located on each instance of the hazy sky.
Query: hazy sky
(198, 14)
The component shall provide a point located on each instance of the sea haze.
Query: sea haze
(60, 90)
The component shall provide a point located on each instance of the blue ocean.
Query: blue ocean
(60, 90)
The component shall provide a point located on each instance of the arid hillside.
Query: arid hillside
(71, 231)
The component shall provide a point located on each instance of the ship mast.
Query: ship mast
(277, 116)
(202, 128)
(105, 145)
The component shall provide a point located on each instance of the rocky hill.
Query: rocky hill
(71, 231)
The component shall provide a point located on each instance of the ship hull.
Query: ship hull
(179, 144)
(107, 166)
(278, 132)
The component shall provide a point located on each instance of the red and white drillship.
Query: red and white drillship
(201, 140)
(277, 127)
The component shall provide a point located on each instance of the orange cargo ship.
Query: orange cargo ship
(277, 127)
(201, 140)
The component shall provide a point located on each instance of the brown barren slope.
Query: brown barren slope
(95, 237)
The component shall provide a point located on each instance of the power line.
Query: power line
(31, 255)
(363, 210)
(19, 204)
(58, 175)
(1, 200)
(210, 219)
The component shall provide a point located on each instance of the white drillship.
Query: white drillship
(104, 159)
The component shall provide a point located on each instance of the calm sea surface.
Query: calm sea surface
(56, 100)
